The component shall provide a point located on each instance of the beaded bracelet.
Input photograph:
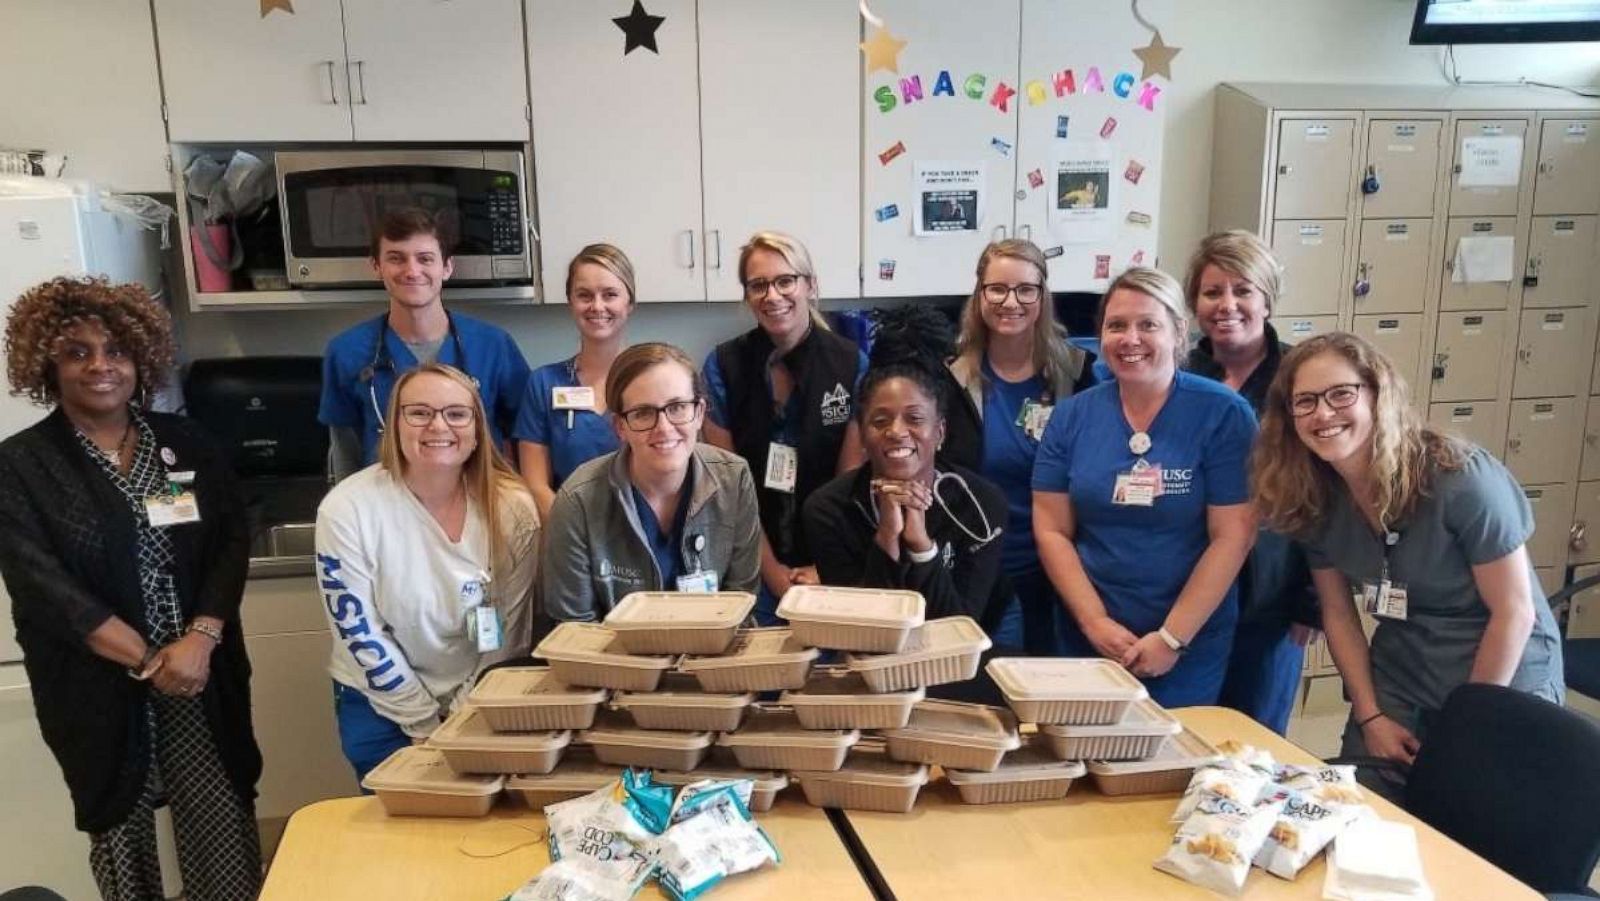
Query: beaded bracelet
(206, 629)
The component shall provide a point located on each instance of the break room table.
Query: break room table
(1092, 846)
(349, 849)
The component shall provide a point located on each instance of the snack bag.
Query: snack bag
(598, 842)
(741, 787)
(1309, 778)
(1214, 846)
(712, 837)
(1312, 817)
(1238, 783)
(1248, 755)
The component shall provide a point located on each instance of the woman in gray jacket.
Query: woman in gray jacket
(664, 512)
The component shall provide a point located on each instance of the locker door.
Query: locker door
(1477, 295)
(1568, 176)
(1542, 440)
(1403, 154)
(1314, 157)
(1298, 328)
(1586, 523)
(1483, 422)
(1583, 620)
(1552, 523)
(1394, 264)
(1561, 253)
(1312, 254)
(1399, 337)
(1482, 200)
(1554, 347)
(1590, 467)
(1466, 358)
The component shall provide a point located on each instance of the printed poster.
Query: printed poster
(1083, 205)
(950, 197)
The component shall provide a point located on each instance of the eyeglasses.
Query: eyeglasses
(756, 288)
(1338, 397)
(1027, 293)
(644, 417)
(421, 416)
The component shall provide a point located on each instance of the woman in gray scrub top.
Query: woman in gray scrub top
(1422, 530)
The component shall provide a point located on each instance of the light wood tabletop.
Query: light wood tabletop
(1092, 846)
(349, 849)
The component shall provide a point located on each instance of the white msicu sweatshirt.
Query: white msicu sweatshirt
(396, 592)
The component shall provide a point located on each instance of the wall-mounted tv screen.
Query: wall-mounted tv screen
(1505, 21)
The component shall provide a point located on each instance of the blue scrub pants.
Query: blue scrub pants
(1041, 613)
(1196, 679)
(366, 736)
(1263, 674)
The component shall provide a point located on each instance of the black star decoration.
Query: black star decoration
(640, 27)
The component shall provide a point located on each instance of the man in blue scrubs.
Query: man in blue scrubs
(412, 258)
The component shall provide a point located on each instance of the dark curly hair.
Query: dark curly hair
(43, 315)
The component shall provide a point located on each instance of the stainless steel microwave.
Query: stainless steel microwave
(332, 199)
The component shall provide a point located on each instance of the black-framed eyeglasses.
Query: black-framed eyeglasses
(1027, 293)
(644, 417)
(786, 284)
(421, 416)
(1337, 397)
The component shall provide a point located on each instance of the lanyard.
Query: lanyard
(381, 360)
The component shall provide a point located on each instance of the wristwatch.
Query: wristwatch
(1171, 640)
(137, 671)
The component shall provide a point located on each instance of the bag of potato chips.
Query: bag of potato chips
(1214, 846)
(1238, 783)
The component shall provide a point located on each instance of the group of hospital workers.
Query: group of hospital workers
(1194, 513)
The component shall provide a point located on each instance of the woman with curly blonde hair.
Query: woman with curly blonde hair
(124, 550)
(1421, 530)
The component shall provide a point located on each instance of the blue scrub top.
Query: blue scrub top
(538, 422)
(664, 544)
(351, 401)
(1008, 454)
(1140, 557)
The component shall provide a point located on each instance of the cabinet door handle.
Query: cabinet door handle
(1525, 355)
(688, 256)
(1285, 169)
(716, 242)
(1547, 166)
(1025, 232)
(333, 93)
(361, 81)
(999, 230)
(1514, 445)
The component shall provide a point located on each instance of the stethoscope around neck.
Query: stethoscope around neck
(381, 360)
(986, 531)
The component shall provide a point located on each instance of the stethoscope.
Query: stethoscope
(988, 532)
(382, 360)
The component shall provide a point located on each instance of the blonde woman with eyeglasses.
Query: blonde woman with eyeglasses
(426, 561)
(664, 512)
(1428, 531)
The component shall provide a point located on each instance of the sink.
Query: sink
(290, 539)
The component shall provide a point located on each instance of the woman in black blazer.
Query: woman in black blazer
(124, 549)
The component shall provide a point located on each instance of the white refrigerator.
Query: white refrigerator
(43, 235)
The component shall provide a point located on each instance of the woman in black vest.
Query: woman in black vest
(781, 397)
(124, 548)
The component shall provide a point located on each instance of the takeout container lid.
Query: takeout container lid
(755, 647)
(611, 728)
(838, 688)
(670, 610)
(590, 643)
(468, 730)
(578, 771)
(681, 690)
(937, 652)
(1142, 718)
(976, 726)
(1184, 751)
(836, 605)
(412, 773)
(778, 727)
(1028, 761)
(1064, 679)
(529, 686)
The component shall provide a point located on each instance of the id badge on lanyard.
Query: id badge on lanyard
(1139, 486)
(783, 467)
(178, 505)
(699, 579)
(483, 620)
(580, 397)
(1385, 597)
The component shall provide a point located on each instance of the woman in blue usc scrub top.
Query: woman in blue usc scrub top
(1013, 365)
(561, 422)
(1140, 507)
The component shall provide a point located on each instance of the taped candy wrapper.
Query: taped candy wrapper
(712, 837)
(1214, 846)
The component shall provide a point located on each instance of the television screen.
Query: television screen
(1505, 21)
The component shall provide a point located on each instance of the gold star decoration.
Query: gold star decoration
(1156, 57)
(883, 51)
(270, 5)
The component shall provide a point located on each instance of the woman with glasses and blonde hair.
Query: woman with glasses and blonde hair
(781, 396)
(1428, 531)
(427, 562)
(1140, 503)
(1014, 365)
(664, 512)
(561, 422)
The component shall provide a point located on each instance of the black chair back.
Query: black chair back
(1516, 779)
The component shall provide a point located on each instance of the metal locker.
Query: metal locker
(1475, 295)
(1403, 157)
(1398, 336)
(1561, 254)
(1568, 176)
(1586, 524)
(1312, 255)
(1486, 200)
(1552, 523)
(1392, 268)
(1554, 348)
(1542, 440)
(1483, 422)
(1295, 329)
(1313, 179)
(1466, 358)
(1583, 618)
(1589, 468)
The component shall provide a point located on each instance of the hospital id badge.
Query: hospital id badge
(783, 467)
(1385, 598)
(576, 398)
(1138, 487)
(702, 581)
(172, 509)
(1038, 417)
(483, 623)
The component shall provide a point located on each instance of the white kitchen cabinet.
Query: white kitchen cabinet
(412, 70)
(55, 55)
(38, 843)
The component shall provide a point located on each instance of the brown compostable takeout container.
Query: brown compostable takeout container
(679, 622)
(532, 699)
(679, 703)
(874, 620)
(939, 651)
(470, 746)
(416, 781)
(956, 735)
(766, 659)
(590, 655)
(1077, 691)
